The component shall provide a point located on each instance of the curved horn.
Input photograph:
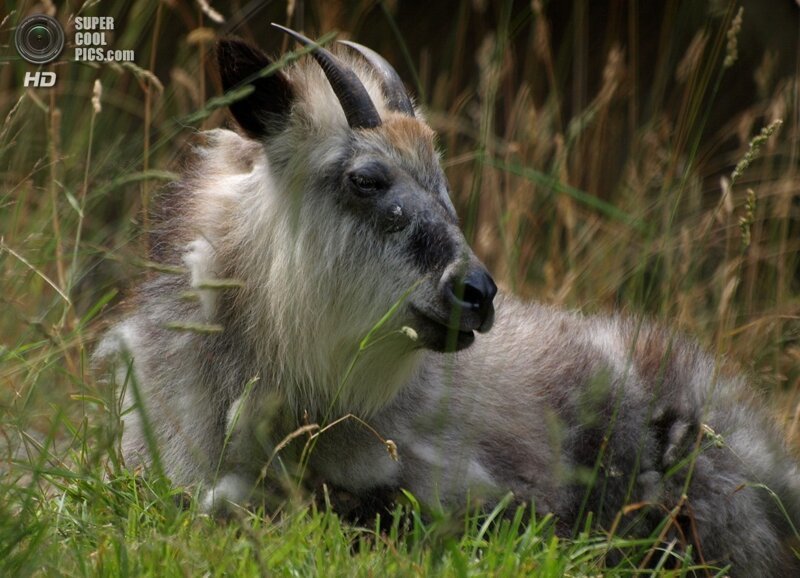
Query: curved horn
(353, 97)
(393, 88)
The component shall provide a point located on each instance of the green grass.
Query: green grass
(585, 155)
(123, 524)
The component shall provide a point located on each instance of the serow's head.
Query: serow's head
(374, 201)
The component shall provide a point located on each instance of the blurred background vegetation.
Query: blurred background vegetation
(590, 146)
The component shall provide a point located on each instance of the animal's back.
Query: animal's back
(580, 414)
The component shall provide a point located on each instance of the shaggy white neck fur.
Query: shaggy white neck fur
(306, 287)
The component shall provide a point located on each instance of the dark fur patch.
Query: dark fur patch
(363, 508)
(675, 436)
(431, 246)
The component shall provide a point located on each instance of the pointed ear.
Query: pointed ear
(265, 109)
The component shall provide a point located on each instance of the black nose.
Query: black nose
(473, 293)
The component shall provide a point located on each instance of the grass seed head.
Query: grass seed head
(732, 50)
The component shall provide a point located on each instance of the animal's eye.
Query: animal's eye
(368, 182)
(364, 183)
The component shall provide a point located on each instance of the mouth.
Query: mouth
(439, 335)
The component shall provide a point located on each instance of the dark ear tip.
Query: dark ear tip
(237, 59)
(228, 43)
(226, 50)
(232, 46)
(222, 47)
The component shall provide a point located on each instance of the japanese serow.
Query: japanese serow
(330, 278)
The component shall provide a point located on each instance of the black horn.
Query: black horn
(353, 97)
(393, 88)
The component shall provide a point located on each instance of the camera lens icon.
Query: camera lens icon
(39, 39)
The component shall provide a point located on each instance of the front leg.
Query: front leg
(229, 491)
(252, 426)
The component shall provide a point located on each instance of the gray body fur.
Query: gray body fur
(536, 406)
